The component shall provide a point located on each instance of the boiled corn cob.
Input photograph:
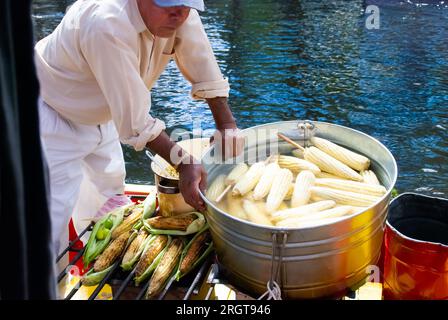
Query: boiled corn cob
(249, 180)
(353, 186)
(153, 249)
(135, 246)
(290, 192)
(216, 188)
(296, 165)
(301, 194)
(297, 153)
(194, 251)
(328, 175)
(179, 222)
(254, 213)
(236, 173)
(350, 158)
(329, 164)
(264, 185)
(128, 222)
(283, 206)
(112, 252)
(369, 177)
(165, 268)
(279, 189)
(235, 207)
(303, 210)
(343, 197)
(316, 218)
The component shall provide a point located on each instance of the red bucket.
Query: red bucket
(416, 248)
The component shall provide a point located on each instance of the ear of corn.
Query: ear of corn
(264, 185)
(279, 189)
(165, 268)
(92, 278)
(195, 252)
(353, 186)
(283, 206)
(329, 164)
(254, 214)
(129, 221)
(183, 224)
(325, 175)
(303, 210)
(343, 197)
(134, 250)
(297, 153)
(369, 177)
(290, 193)
(296, 165)
(236, 173)
(216, 188)
(249, 180)
(235, 206)
(112, 252)
(151, 256)
(301, 194)
(96, 243)
(350, 158)
(315, 219)
(149, 205)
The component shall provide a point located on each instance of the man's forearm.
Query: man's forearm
(222, 113)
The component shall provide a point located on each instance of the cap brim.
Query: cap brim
(191, 4)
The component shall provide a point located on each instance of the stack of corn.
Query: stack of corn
(312, 186)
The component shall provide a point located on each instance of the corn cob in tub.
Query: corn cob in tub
(279, 189)
(249, 180)
(302, 194)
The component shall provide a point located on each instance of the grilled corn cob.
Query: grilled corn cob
(112, 252)
(296, 165)
(249, 180)
(350, 158)
(303, 210)
(129, 221)
(216, 188)
(353, 186)
(297, 153)
(301, 194)
(254, 214)
(264, 185)
(135, 248)
(165, 268)
(279, 189)
(153, 249)
(180, 222)
(369, 177)
(236, 173)
(329, 164)
(195, 249)
(316, 218)
(235, 207)
(343, 197)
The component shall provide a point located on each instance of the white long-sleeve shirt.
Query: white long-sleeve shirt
(101, 61)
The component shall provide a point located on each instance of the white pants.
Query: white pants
(86, 168)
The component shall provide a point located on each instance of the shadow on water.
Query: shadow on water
(315, 59)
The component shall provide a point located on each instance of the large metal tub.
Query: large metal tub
(322, 261)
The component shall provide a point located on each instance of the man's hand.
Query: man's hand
(192, 178)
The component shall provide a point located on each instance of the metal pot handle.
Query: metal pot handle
(274, 291)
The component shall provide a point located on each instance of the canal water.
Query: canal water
(384, 72)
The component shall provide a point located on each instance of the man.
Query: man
(96, 70)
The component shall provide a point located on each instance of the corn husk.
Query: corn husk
(193, 227)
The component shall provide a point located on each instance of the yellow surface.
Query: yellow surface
(368, 291)
(84, 293)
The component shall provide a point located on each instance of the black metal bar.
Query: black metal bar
(71, 243)
(142, 292)
(166, 288)
(124, 285)
(74, 290)
(196, 279)
(103, 282)
(71, 263)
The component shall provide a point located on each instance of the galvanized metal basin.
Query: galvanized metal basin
(321, 261)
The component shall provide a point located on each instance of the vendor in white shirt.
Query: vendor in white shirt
(95, 72)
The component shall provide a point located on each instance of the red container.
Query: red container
(416, 248)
